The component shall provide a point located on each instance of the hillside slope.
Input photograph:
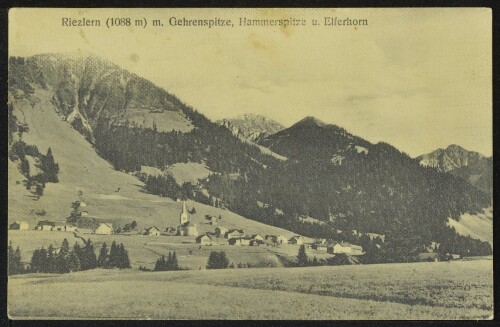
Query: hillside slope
(81, 169)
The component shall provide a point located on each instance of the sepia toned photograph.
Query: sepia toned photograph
(250, 164)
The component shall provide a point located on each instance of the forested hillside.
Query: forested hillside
(331, 175)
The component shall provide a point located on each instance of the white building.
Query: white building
(104, 229)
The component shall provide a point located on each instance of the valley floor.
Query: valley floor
(444, 290)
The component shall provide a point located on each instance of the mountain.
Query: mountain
(312, 137)
(97, 150)
(251, 127)
(469, 165)
(104, 125)
(87, 89)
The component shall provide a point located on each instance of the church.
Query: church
(186, 227)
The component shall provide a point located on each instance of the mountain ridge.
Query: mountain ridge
(251, 127)
(471, 166)
(330, 175)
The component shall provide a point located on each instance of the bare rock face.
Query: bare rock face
(251, 127)
(469, 165)
(88, 90)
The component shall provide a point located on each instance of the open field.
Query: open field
(447, 290)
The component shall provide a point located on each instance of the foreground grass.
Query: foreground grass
(457, 290)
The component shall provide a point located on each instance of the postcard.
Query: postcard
(253, 164)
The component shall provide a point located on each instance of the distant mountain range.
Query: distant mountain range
(313, 168)
(474, 167)
(251, 127)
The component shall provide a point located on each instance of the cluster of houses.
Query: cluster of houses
(337, 247)
(46, 225)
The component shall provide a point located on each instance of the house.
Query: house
(151, 231)
(257, 238)
(270, 238)
(241, 241)
(233, 233)
(320, 241)
(428, 256)
(220, 231)
(170, 231)
(281, 239)
(104, 229)
(45, 225)
(344, 247)
(320, 247)
(299, 240)
(449, 256)
(204, 239)
(19, 225)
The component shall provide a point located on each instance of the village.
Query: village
(187, 232)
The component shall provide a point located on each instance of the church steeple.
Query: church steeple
(184, 218)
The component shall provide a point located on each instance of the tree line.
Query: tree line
(65, 260)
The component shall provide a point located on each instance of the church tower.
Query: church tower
(184, 218)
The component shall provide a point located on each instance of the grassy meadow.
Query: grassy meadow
(445, 290)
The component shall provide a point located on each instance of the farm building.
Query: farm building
(258, 238)
(320, 247)
(45, 225)
(344, 247)
(241, 241)
(171, 231)
(220, 230)
(204, 239)
(281, 239)
(104, 229)
(151, 231)
(233, 233)
(299, 240)
(270, 238)
(428, 256)
(19, 225)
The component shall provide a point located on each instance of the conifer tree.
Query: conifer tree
(113, 256)
(302, 259)
(14, 260)
(102, 259)
(160, 264)
(174, 265)
(88, 258)
(217, 260)
(73, 262)
(124, 261)
(51, 266)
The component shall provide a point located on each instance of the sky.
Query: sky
(419, 79)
